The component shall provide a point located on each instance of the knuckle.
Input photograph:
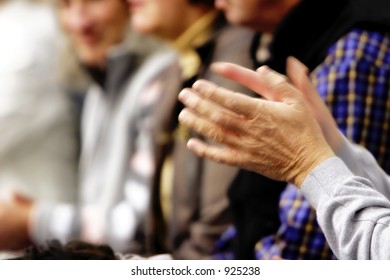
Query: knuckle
(215, 135)
(280, 85)
(209, 90)
(187, 119)
(231, 102)
(218, 117)
(218, 158)
(201, 152)
(251, 144)
(193, 100)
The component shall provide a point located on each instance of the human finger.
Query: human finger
(297, 72)
(270, 84)
(210, 110)
(242, 75)
(206, 117)
(208, 129)
(264, 81)
(218, 154)
(235, 102)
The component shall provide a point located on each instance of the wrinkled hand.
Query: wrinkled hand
(298, 75)
(14, 217)
(277, 137)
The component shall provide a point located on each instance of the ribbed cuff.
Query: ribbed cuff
(324, 180)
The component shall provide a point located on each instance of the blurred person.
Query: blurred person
(193, 198)
(131, 75)
(352, 211)
(345, 46)
(38, 150)
(39, 146)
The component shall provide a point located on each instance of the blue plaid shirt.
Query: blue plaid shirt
(354, 81)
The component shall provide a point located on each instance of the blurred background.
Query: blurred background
(38, 117)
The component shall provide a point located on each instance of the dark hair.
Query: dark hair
(208, 3)
(74, 250)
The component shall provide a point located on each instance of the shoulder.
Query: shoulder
(231, 34)
(144, 45)
(232, 44)
(364, 46)
(233, 40)
(358, 55)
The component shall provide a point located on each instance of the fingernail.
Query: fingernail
(182, 116)
(199, 85)
(183, 95)
(217, 66)
(263, 70)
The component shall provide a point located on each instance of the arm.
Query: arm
(363, 164)
(353, 216)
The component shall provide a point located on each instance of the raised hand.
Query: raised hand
(277, 136)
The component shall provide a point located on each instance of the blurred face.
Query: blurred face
(261, 15)
(167, 19)
(94, 26)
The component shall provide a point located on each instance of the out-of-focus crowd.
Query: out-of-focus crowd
(91, 149)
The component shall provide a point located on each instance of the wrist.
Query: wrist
(310, 160)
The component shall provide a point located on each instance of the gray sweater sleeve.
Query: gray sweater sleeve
(363, 164)
(354, 216)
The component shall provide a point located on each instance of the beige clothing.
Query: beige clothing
(198, 201)
(190, 64)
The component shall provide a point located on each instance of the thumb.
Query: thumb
(298, 73)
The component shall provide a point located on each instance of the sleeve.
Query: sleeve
(353, 216)
(363, 164)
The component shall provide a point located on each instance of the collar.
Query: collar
(194, 37)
